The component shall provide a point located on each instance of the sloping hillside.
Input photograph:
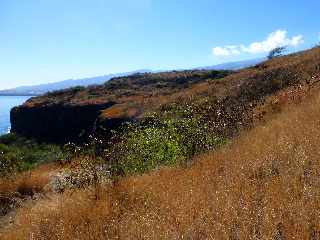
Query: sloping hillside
(264, 184)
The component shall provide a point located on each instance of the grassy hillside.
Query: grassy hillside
(221, 158)
(264, 184)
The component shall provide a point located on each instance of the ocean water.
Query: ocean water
(6, 103)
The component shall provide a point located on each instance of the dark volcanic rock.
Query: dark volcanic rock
(56, 123)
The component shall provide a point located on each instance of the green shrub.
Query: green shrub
(168, 138)
(8, 160)
(8, 138)
(276, 52)
(19, 154)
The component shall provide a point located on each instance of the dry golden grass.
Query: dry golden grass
(29, 182)
(263, 185)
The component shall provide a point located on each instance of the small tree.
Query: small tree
(276, 52)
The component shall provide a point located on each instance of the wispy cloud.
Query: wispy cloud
(275, 39)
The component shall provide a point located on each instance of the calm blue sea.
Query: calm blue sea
(6, 103)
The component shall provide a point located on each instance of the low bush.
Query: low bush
(18, 154)
(168, 138)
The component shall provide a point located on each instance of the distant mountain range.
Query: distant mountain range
(49, 87)
(235, 65)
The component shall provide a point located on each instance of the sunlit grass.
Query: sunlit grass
(263, 185)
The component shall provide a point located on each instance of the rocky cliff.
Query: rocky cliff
(56, 123)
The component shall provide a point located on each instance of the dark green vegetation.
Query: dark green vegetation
(19, 154)
(169, 138)
(276, 52)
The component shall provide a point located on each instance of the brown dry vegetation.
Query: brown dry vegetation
(128, 89)
(21, 190)
(28, 183)
(265, 184)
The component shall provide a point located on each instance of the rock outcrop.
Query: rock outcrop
(56, 123)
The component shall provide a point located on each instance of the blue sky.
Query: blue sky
(51, 40)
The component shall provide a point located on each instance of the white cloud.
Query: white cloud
(226, 51)
(275, 39)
